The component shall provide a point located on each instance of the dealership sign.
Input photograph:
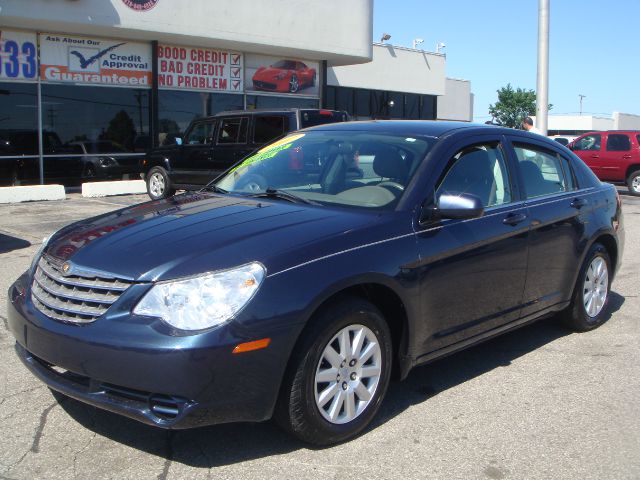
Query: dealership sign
(187, 68)
(96, 61)
(18, 55)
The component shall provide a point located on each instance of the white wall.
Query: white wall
(626, 121)
(457, 102)
(335, 30)
(584, 123)
(396, 69)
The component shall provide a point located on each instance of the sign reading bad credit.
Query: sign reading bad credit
(207, 69)
(85, 60)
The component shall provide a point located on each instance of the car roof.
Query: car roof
(432, 128)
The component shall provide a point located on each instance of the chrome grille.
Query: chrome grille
(73, 298)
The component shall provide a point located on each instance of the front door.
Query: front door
(473, 271)
(231, 143)
(193, 165)
(588, 148)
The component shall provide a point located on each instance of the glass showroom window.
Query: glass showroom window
(264, 101)
(177, 110)
(88, 131)
(18, 132)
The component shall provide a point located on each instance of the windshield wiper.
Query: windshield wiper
(285, 195)
(214, 188)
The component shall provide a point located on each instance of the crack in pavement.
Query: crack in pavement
(28, 390)
(168, 454)
(86, 447)
(5, 321)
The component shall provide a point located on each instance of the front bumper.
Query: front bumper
(138, 369)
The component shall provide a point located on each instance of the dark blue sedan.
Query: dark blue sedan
(301, 281)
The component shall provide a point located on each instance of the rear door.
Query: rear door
(615, 156)
(557, 212)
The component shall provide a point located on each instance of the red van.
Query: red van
(614, 156)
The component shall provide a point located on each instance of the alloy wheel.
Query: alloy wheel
(348, 374)
(596, 285)
(156, 184)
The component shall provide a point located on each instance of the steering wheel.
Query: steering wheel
(252, 183)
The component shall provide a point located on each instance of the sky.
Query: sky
(594, 48)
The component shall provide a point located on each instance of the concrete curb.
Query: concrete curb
(32, 193)
(121, 187)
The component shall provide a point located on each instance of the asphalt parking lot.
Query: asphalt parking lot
(540, 402)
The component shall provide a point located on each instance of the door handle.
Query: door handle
(626, 157)
(595, 156)
(514, 219)
(578, 203)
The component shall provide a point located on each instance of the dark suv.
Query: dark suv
(211, 145)
(614, 156)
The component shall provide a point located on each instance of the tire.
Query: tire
(294, 85)
(588, 309)
(633, 182)
(158, 184)
(312, 405)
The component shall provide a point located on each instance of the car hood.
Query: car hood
(268, 72)
(195, 233)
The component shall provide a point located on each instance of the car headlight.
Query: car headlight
(205, 301)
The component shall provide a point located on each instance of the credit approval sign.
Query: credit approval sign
(87, 60)
(205, 69)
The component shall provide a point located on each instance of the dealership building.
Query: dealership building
(121, 76)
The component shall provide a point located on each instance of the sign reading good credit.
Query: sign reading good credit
(18, 55)
(94, 61)
(187, 68)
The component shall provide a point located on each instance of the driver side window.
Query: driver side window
(479, 170)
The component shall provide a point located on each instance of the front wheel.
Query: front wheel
(293, 84)
(588, 309)
(633, 182)
(339, 374)
(158, 184)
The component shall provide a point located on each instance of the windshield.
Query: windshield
(353, 168)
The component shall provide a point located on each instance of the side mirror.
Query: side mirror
(454, 205)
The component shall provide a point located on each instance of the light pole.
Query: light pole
(581, 97)
(417, 41)
(542, 87)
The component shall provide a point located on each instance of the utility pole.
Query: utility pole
(542, 87)
(581, 97)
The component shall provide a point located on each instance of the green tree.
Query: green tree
(121, 129)
(513, 105)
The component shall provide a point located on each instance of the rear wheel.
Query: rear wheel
(158, 184)
(293, 84)
(588, 308)
(633, 182)
(339, 374)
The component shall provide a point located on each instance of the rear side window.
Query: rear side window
(543, 172)
(233, 130)
(268, 127)
(309, 118)
(618, 143)
(590, 142)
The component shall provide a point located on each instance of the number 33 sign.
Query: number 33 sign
(18, 55)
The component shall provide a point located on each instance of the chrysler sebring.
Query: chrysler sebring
(314, 271)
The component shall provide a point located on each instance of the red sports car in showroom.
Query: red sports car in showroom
(284, 76)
